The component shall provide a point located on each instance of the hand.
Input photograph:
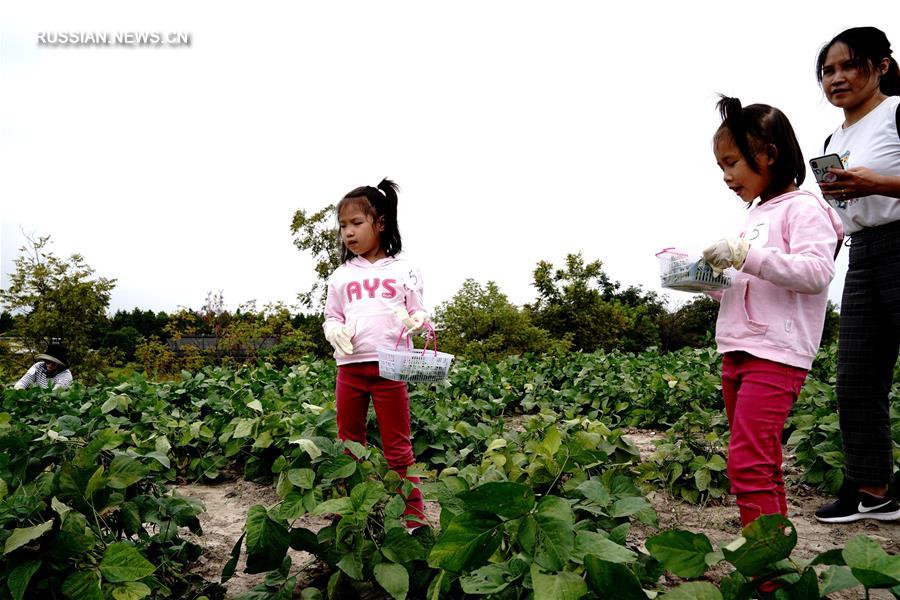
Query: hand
(339, 336)
(415, 322)
(851, 183)
(726, 253)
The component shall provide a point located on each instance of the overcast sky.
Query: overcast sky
(518, 131)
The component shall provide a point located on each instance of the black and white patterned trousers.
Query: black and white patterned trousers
(867, 352)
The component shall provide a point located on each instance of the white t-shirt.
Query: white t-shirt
(872, 142)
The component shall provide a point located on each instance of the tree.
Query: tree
(831, 326)
(56, 299)
(480, 323)
(317, 234)
(693, 325)
(581, 303)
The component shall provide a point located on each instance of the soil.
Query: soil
(227, 505)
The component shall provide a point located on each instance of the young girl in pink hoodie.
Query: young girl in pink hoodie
(771, 318)
(361, 315)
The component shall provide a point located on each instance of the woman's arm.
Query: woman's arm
(27, 378)
(859, 182)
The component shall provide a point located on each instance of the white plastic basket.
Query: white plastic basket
(414, 366)
(680, 271)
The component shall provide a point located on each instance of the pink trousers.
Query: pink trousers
(356, 384)
(758, 397)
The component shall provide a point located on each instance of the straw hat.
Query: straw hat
(55, 353)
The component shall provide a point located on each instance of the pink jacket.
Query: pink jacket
(364, 296)
(775, 308)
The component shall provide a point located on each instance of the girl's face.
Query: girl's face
(845, 84)
(738, 174)
(360, 234)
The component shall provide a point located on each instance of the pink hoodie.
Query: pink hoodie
(364, 296)
(775, 308)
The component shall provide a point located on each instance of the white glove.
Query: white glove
(726, 253)
(339, 336)
(413, 322)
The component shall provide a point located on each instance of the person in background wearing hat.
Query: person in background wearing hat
(52, 370)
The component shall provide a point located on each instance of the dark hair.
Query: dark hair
(753, 128)
(379, 203)
(870, 46)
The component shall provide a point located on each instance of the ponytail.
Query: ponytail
(890, 81)
(731, 112)
(756, 127)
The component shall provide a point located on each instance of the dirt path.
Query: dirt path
(227, 505)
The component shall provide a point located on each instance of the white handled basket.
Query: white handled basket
(414, 366)
(678, 271)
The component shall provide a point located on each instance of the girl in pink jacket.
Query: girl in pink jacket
(771, 318)
(361, 314)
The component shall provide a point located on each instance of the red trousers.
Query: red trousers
(356, 384)
(758, 397)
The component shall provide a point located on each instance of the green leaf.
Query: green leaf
(766, 540)
(351, 564)
(393, 578)
(702, 478)
(22, 535)
(834, 556)
(595, 491)
(604, 576)
(548, 534)
(255, 405)
(870, 564)
(18, 578)
(340, 506)
(130, 590)
(494, 578)
(267, 541)
(716, 463)
(627, 507)
(364, 496)
(75, 537)
(694, 590)
(590, 542)
(806, 587)
(838, 578)
(302, 478)
(504, 498)
(682, 552)
(124, 471)
(559, 586)
(469, 540)
(83, 585)
(244, 428)
(122, 562)
(400, 547)
(338, 467)
(231, 565)
(308, 446)
(95, 483)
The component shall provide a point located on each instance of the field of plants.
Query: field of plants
(539, 491)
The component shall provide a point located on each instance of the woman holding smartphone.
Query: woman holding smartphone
(859, 75)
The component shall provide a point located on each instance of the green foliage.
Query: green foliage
(581, 304)
(56, 299)
(317, 234)
(535, 481)
(479, 323)
(690, 460)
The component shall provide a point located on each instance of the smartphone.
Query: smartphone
(820, 167)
